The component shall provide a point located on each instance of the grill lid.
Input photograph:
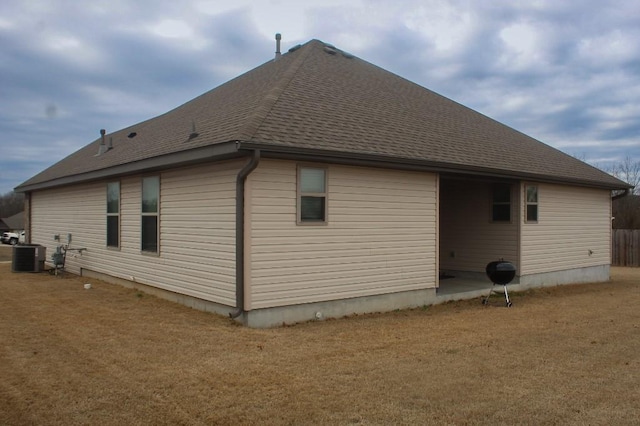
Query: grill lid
(501, 272)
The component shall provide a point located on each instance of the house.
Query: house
(12, 223)
(318, 185)
(3, 226)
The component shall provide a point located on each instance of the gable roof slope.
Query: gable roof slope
(321, 100)
(15, 222)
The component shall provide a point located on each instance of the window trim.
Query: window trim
(527, 203)
(501, 203)
(300, 194)
(155, 214)
(111, 214)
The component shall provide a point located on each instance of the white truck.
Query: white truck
(13, 238)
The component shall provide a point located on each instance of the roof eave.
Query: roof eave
(399, 163)
(231, 149)
(220, 151)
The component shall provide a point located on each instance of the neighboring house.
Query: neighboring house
(12, 223)
(319, 185)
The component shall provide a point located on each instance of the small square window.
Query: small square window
(312, 195)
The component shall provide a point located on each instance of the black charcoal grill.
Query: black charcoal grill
(501, 273)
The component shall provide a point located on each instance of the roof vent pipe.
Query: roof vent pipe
(278, 54)
(102, 148)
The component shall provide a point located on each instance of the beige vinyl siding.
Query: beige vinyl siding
(571, 222)
(468, 238)
(380, 236)
(69, 211)
(197, 230)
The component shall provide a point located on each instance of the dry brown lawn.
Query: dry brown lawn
(114, 356)
(5, 253)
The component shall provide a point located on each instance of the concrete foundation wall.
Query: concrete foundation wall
(592, 274)
(272, 317)
(277, 316)
(477, 276)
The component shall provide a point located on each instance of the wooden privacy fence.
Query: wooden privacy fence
(625, 247)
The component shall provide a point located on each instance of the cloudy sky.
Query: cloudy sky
(564, 72)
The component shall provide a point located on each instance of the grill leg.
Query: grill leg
(485, 300)
(506, 296)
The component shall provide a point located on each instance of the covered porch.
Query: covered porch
(479, 222)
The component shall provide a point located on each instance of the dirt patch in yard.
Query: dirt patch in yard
(5, 253)
(110, 355)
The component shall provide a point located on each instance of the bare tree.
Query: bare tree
(626, 210)
(11, 203)
(628, 170)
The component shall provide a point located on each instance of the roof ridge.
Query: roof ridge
(262, 111)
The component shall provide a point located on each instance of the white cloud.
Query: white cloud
(610, 48)
(5, 24)
(522, 44)
(172, 28)
(443, 24)
(291, 18)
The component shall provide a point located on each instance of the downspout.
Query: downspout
(27, 217)
(240, 181)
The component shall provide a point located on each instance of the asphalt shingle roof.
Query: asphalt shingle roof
(319, 98)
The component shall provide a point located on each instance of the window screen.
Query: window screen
(501, 205)
(532, 203)
(312, 195)
(150, 212)
(113, 214)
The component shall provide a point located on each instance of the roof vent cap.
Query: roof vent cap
(102, 148)
(330, 50)
(278, 54)
(194, 134)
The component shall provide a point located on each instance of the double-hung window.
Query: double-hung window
(532, 203)
(150, 213)
(113, 214)
(312, 195)
(501, 203)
